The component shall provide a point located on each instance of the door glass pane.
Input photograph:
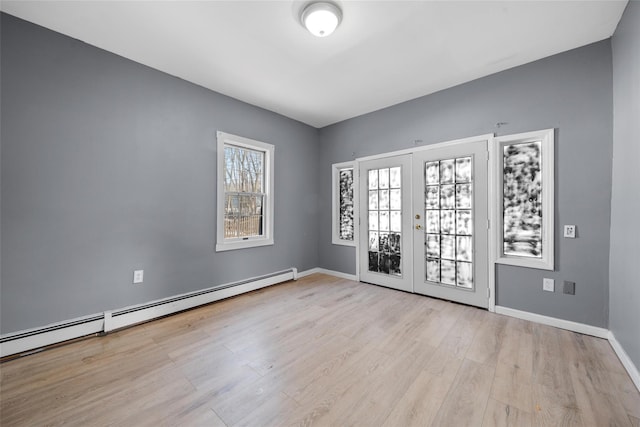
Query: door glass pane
(433, 245)
(396, 221)
(463, 196)
(432, 197)
(373, 220)
(432, 173)
(448, 272)
(395, 202)
(463, 169)
(463, 248)
(463, 222)
(433, 221)
(384, 243)
(446, 171)
(447, 196)
(449, 222)
(383, 178)
(373, 179)
(464, 274)
(448, 247)
(373, 199)
(433, 270)
(385, 220)
(383, 199)
(394, 177)
(373, 241)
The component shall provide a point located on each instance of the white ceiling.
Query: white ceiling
(383, 53)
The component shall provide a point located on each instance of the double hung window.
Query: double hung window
(245, 192)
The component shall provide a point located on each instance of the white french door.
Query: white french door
(385, 243)
(450, 223)
(423, 222)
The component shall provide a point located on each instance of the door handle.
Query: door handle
(417, 216)
(418, 227)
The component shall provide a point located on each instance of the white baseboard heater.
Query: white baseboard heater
(32, 339)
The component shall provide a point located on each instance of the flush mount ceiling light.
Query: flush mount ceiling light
(321, 18)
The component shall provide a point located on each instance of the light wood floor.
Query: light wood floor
(324, 351)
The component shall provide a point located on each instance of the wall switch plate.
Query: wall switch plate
(138, 276)
(569, 288)
(570, 231)
(548, 285)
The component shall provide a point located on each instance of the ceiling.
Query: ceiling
(383, 53)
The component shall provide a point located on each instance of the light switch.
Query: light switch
(138, 276)
(570, 231)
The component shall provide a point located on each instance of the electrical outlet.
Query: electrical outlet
(570, 231)
(569, 288)
(138, 276)
(548, 285)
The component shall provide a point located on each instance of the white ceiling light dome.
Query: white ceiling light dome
(321, 18)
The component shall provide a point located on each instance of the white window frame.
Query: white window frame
(546, 137)
(227, 244)
(335, 203)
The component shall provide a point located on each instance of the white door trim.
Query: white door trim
(486, 137)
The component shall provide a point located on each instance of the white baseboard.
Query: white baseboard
(625, 359)
(553, 321)
(305, 273)
(26, 340)
(143, 313)
(30, 339)
(328, 272)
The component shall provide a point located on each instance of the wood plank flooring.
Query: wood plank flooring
(324, 351)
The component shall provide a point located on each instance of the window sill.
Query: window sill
(342, 242)
(243, 244)
(541, 264)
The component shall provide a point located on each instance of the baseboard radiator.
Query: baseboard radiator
(33, 339)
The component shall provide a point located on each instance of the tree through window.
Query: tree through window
(243, 192)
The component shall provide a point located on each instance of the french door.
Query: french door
(450, 222)
(385, 243)
(423, 222)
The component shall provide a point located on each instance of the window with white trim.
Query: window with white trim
(524, 191)
(245, 193)
(343, 216)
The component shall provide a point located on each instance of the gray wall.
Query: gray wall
(624, 280)
(109, 166)
(571, 92)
